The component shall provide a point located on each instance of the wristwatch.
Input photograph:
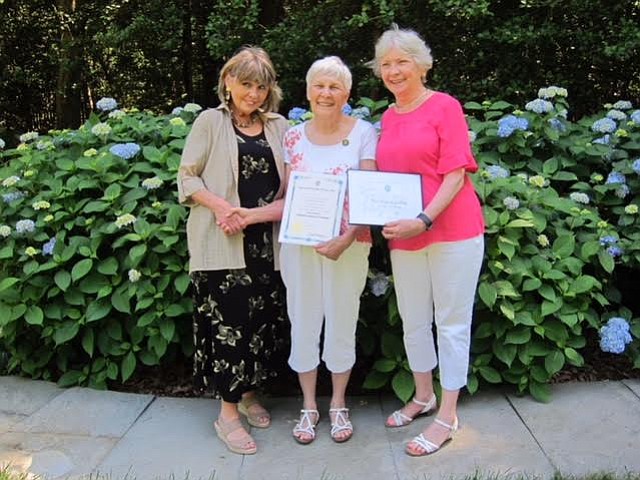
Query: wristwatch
(425, 218)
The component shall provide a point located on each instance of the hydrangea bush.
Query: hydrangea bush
(93, 277)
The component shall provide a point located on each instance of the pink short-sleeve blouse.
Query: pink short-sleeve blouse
(433, 140)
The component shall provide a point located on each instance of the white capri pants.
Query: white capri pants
(442, 279)
(319, 289)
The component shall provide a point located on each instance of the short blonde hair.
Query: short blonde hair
(333, 67)
(407, 41)
(252, 64)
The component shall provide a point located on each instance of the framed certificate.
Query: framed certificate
(313, 208)
(376, 198)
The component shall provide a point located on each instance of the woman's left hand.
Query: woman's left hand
(401, 229)
(333, 248)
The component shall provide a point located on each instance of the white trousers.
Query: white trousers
(440, 280)
(322, 290)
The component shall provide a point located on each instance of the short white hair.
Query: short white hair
(405, 40)
(333, 67)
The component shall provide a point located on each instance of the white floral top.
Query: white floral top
(302, 155)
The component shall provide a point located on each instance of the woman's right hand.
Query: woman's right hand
(230, 223)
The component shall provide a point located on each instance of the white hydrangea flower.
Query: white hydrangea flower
(101, 129)
(28, 136)
(151, 183)
(2, 144)
(543, 241)
(41, 205)
(91, 152)
(117, 114)
(177, 122)
(579, 197)
(192, 107)
(5, 231)
(123, 220)
(30, 251)
(10, 181)
(134, 275)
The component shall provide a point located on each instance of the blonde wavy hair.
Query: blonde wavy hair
(254, 65)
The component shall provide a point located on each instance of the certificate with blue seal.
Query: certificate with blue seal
(313, 208)
(376, 198)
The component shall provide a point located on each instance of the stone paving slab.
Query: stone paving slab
(587, 427)
(634, 385)
(491, 439)
(83, 411)
(175, 436)
(366, 455)
(54, 456)
(20, 397)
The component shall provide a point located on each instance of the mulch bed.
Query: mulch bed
(176, 380)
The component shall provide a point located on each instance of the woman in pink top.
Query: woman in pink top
(436, 257)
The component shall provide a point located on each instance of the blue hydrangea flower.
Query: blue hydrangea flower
(635, 116)
(106, 104)
(361, 113)
(25, 226)
(604, 140)
(496, 171)
(615, 335)
(615, 251)
(347, 109)
(557, 124)
(125, 150)
(177, 111)
(623, 105)
(47, 248)
(616, 115)
(604, 125)
(616, 177)
(509, 124)
(296, 113)
(636, 166)
(622, 191)
(608, 240)
(511, 203)
(12, 196)
(379, 284)
(539, 106)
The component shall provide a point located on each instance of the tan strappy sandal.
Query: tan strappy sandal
(255, 417)
(240, 445)
(427, 446)
(400, 419)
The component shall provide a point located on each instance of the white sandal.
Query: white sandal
(306, 425)
(428, 446)
(341, 423)
(400, 419)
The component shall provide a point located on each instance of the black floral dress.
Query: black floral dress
(239, 314)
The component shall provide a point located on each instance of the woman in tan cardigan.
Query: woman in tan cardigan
(233, 158)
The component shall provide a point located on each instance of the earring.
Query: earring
(227, 95)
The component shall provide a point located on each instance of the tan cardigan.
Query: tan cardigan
(210, 160)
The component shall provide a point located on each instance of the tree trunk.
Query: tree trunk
(187, 52)
(205, 93)
(68, 102)
(271, 12)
